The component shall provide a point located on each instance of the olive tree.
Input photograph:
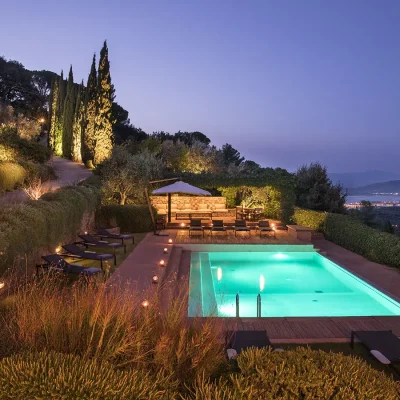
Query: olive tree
(125, 176)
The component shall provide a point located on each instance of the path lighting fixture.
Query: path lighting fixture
(165, 250)
(161, 263)
(169, 241)
(85, 232)
(182, 224)
(145, 303)
(273, 225)
(41, 120)
(154, 279)
(2, 284)
(58, 249)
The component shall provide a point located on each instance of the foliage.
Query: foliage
(355, 236)
(315, 191)
(108, 323)
(66, 376)
(231, 155)
(104, 133)
(53, 114)
(22, 148)
(59, 117)
(12, 175)
(299, 374)
(366, 213)
(190, 138)
(125, 176)
(90, 119)
(29, 228)
(68, 116)
(34, 189)
(175, 155)
(309, 218)
(130, 218)
(78, 127)
(202, 158)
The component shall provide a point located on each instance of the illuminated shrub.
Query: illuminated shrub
(11, 175)
(61, 376)
(309, 218)
(299, 374)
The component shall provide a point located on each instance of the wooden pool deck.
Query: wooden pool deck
(142, 264)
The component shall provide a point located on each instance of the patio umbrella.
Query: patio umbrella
(179, 187)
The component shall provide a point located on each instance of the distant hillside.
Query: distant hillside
(381, 187)
(361, 179)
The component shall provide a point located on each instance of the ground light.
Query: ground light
(58, 249)
(145, 303)
(2, 284)
(182, 224)
(161, 263)
(154, 279)
(165, 250)
(169, 241)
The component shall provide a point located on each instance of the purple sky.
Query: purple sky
(285, 82)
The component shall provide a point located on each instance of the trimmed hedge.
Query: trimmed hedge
(309, 218)
(299, 374)
(371, 243)
(29, 228)
(130, 218)
(60, 376)
(11, 176)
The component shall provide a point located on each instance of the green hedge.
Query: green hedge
(61, 376)
(130, 218)
(311, 219)
(30, 228)
(12, 175)
(299, 374)
(371, 243)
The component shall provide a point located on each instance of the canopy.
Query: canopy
(179, 187)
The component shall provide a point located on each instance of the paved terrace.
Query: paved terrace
(142, 264)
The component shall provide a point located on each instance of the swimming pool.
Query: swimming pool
(279, 284)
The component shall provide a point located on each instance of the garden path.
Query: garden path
(68, 172)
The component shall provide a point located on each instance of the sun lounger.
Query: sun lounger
(104, 233)
(383, 345)
(75, 251)
(218, 226)
(90, 240)
(238, 341)
(264, 226)
(195, 226)
(56, 262)
(241, 226)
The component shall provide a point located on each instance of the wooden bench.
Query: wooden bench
(299, 232)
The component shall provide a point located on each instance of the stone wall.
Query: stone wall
(160, 203)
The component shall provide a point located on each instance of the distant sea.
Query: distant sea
(372, 198)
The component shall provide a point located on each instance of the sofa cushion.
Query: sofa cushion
(202, 207)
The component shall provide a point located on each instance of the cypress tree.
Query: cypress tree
(78, 127)
(104, 136)
(68, 120)
(53, 113)
(58, 126)
(90, 114)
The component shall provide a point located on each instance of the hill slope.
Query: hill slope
(381, 187)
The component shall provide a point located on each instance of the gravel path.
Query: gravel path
(68, 173)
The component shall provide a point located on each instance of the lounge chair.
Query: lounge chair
(56, 262)
(195, 226)
(218, 226)
(241, 226)
(90, 240)
(235, 342)
(383, 345)
(75, 251)
(264, 226)
(104, 233)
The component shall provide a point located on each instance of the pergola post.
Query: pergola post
(169, 207)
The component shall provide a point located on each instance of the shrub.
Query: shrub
(35, 226)
(309, 218)
(371, 243)
(109, 324)
(56, 375)
(299, 374)
(130, 218)
(25, 149)
(11, 176)
(43, 171)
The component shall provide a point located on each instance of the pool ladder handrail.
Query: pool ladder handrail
(258, 305)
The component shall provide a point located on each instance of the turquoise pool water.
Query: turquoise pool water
(290, 284)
